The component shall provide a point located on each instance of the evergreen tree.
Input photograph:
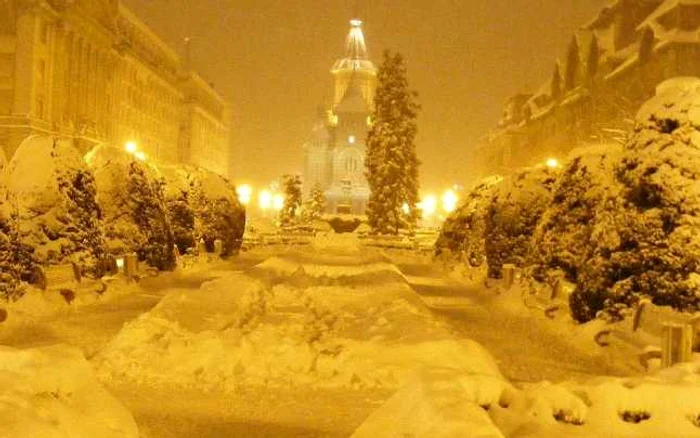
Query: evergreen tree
(556, 82)
(16, 260)
(391, 163)
(646, 45)
(573, 64)
(315, 205)
(148, 213)
(593, 61)
(291, 185)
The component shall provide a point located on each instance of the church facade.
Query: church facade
(334, 155)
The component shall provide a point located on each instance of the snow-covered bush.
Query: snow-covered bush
(178, 206)
(130, 194)
(659, 250)
(54, 196)
(15, 258)
(512, 215)
(646, 233)
(218, 212)
(462, 235)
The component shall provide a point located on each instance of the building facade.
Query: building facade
(91, 70)
(612, 66)
(334, 155)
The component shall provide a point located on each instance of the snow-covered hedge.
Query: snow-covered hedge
(178, 206)
(52, 192)
(218, 212)
(134, 213)
(462, 235)
(15, 258)
(513, 214)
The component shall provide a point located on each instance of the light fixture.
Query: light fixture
(552, 163)
(244, 192)
(130, 147)
(265, 200)
(428, 205)
(449, 201)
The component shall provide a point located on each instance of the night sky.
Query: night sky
(271, 60)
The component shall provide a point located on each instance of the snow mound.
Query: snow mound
(345, 243)
(437, 404)
(52, 392)
(661, 405)
(241, 331)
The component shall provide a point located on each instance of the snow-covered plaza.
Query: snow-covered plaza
(334, 338)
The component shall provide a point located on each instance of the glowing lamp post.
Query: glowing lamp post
(428, 206)
(552, 163)
(130, 147)
(449, 201)
(265, 201)
(245, 193)
(277, 202)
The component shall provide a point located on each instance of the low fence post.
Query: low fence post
(508, 275)
(131, 266)
(676, 344)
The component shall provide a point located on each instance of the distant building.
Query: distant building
(334, 156)
(612, 66)
(91, 70)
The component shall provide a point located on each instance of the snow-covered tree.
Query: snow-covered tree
(555, 84)
(593, 60)
(218, 214)
(513, 214)
(391, 162)
(15, 258)
(178, 206)
(291, 185)
(573, 65)
(315, 204)
(463, 232)
(130, 194)
(57, 212)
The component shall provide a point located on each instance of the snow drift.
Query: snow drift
(51, 392)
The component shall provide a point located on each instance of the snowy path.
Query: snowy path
(527, 346)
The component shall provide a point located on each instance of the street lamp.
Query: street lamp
(449, 201)
(278, 201)
(265, 200)
(130, 147)
(245, 193)
(428, 206)
(552, 163)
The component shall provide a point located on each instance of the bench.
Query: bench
(66, 279)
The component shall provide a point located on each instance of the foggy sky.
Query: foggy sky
(271, 59)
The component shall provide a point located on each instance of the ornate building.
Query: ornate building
(91, 70)
(334, 156)
(611, 67)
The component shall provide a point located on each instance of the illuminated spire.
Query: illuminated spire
(356, 57)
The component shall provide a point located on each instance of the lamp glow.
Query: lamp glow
(278, 201)
(130, 147)
(265, 200)
(429, 205)
(245, 193)
(120, 263)
(140, 155)
(552, 163)
(449, 201)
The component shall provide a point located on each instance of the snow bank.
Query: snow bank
(661, 405)
(240, 330)
(437, 404)
(52, 392)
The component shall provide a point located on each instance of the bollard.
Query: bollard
(201, 247)
(676, 344)
(131, 266)
(508, 275)
(218, 246)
